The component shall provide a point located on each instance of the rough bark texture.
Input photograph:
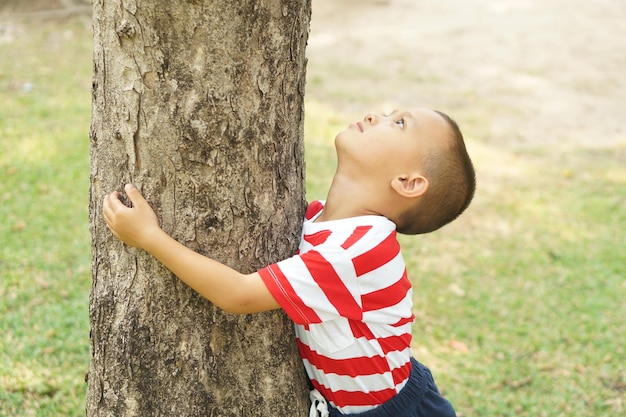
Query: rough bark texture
(200, 104)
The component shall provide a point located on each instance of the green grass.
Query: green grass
(45, 250)
(519, 304)
(524, 301)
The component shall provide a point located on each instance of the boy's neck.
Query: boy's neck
(347, 199)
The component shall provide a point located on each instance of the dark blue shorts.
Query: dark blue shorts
(419, 398)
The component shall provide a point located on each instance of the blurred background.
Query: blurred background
(519, 304)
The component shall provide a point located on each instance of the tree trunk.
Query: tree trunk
(200, 104)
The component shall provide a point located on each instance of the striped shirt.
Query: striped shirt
(348, 294)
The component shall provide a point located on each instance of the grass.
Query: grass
(45, 250)
(528, 311)
(519, 304)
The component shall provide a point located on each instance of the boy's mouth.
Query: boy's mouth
(359, 126)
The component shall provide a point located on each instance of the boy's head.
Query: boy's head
(452, 182)
(414, 162)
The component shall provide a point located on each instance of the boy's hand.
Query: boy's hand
(132, 225)
(227, 288)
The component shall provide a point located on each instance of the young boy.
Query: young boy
(346, 289)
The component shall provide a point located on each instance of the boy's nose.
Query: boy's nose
(371, 118)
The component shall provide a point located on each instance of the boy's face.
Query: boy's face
(388, 145)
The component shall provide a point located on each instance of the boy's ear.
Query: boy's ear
(410, 186)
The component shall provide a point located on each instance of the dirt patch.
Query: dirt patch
(10, 9)
(21, 6)
(516, 73)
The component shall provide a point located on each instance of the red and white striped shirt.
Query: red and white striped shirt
(348, 294)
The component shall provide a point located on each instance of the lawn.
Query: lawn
(519, 305)
(45, 250)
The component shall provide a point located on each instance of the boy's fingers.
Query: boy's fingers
(112, 203)
(112, 200)
(134, 194)
(112, 206)
(106, 202)
(106, 209)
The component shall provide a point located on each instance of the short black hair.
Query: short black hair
(452, 184)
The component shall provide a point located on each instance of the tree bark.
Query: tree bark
(200, 104)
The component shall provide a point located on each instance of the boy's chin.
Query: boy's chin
(345, 136)
(341, 140)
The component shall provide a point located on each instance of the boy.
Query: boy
(347, 289)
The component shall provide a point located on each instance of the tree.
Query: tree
(200, 104)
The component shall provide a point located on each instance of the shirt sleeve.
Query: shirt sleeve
(311, 290)
(285, 295)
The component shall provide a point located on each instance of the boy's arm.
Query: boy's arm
(223, 286)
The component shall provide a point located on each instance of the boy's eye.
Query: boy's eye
(400, 123)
